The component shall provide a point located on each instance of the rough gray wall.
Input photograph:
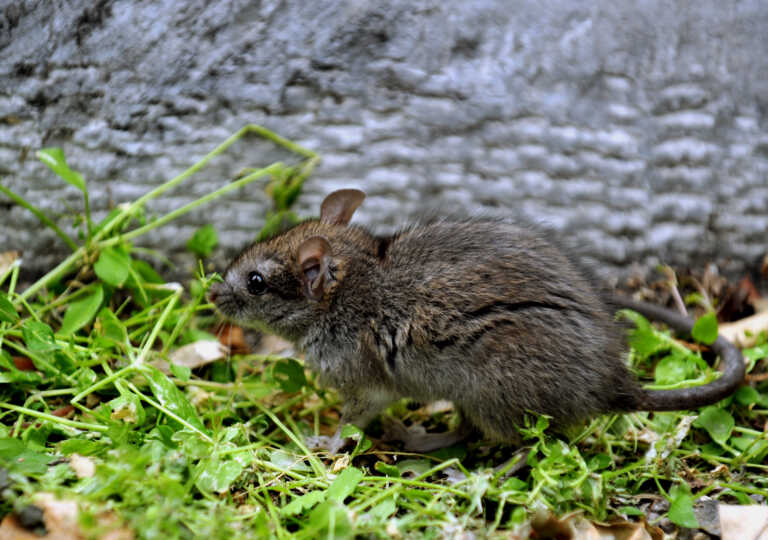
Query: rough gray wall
(640, 131)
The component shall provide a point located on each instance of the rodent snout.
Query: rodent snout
(214, 291)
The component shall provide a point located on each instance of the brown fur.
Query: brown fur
(486, 314)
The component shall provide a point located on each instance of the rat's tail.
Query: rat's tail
(696, 396)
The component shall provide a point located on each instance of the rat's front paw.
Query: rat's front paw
(416, 439)
(330, 444)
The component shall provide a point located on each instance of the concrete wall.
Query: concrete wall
(639, 130)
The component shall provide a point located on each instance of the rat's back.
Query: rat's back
(502, 321)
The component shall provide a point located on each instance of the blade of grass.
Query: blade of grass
(55, 419)
(45, 220)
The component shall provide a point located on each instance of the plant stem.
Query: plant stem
(45, 220)
(61, 269)
(272, 169)
(317, 466)
(52, 418)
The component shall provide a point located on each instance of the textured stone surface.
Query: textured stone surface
(638, 131)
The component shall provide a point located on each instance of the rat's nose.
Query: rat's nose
(213, 291)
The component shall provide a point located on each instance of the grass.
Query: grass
(218, 451)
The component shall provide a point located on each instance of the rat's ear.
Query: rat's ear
(338, 207)
(313, 257)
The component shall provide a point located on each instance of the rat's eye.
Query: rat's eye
(256, 283)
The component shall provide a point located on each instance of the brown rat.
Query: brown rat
(486, 314)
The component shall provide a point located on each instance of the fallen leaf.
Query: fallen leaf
(84, 467)
(193, 355)
(64, 411)
(11, 529)
(576, 527)
(61, 522)
(740, 522)
(233, 337)
(7, 259)
(341, 463)
(60, 516)
(736, 332)
(23, 363)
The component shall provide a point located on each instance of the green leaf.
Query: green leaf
(82, 312)
(171, 397)
(146, 272)
(705, 328)
(746, 395)
(754, 354)
(284, 460)
(631, 511)
(111, 327)
(54, 158)
(180, 372)
(681, 507)
(356, 434)
(7, 311)
(113, 267)
(191, 443)
(643, 338)
(414, 467)
(383, 510)
(276, 223)
(387, 469)
(84, 447)
(38, 337)
(515, 484)
(717, 422)
(285, 188)
(672, 369)
(302, 503)
(203, 241)
(217, 475)
(600, 461)
(345, 484)
(327, 513)
(290, 375)
(17, 457)
(127, 408)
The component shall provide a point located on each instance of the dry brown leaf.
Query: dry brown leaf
(7, 258)
(60, 518)
(341, 463)
(194, 355)
(11, 529)
(744, 522)
(23, 363)
(233, 337)
(64, 411)
(576, 527)
(736, 332)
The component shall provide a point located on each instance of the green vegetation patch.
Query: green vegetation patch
(113, 397)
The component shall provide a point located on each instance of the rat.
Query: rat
(492, 316)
